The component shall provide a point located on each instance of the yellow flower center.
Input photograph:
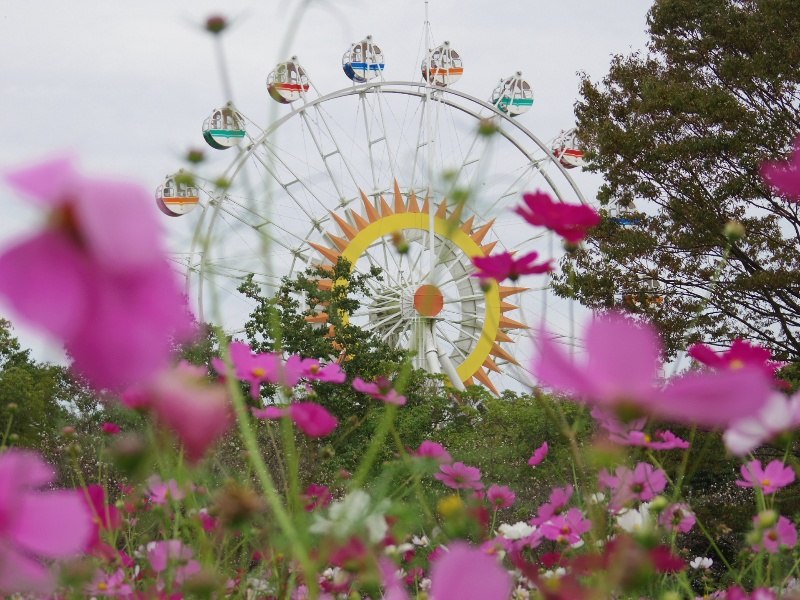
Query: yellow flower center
(736, 364)
(766, 482)
(258, 372)
(647, 439)
(102, 585)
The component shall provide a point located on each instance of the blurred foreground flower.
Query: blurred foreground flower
(505, 266)
(466, 573)
(778, 416)
(36, 525)
(311, 418)
(570, 221)
(96, 276)
(622, 373)
(183, 400)
(784, 177)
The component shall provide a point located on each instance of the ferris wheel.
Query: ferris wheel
(413, 177)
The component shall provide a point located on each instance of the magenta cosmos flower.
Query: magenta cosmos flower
(784, 177)
(783, 533)
(95, 277)
(770, 480)
(505, 266)
(538, 455)
(643, 483)
(740, 353)
(570, 221)
(466, 573)
(500, 496)
(678, 517)
(622, 373)
(460, 477)
(567, 528)
(36, 525)
(312, 419)
(380, 389)
(433, 450)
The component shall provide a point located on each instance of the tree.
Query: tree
(681, 130)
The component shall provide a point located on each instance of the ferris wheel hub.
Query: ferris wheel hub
(428, 300)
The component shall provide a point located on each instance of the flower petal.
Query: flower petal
(51, 183)
(53, 524)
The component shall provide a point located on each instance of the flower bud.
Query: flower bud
(12, 407)
(195, 156)
(13, 438)
(487, 127)
(658, 504)
(216, 24)
(734, 231)
(767, 518)
(68, 431)
(399, 241)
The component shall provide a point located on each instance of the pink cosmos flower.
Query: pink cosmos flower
(311, 418)
(110, 428)
(770, 480)
(779, 415)
(622, 373)
(504, 265)
(559, 498)
(538, 455)
(173, 555)
(643, 483)
(567, 528)
(104, 516)
(466, 573)
(183, 400)
(161, 492)
(380, 389)
(36, 525)
(460, 477)
(330, 373)
(784, 177)
(782, 533)
(433, 450)
(109, 584)
(631, 434)
(741, 353)
(570, 221)
(677, 517)
(96, 276)
(737, 593)
(500, 496)
(316, 496)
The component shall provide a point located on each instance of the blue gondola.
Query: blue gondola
(363, 61)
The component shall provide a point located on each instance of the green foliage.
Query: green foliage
(681, 130)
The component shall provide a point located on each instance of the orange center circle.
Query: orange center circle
(428, 300)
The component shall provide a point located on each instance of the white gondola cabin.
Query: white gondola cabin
(625, 215)
(224, 128)
(513, 95)
(567, 151)
(363, 61)
(651, 291)
(446, 66)
(288, 82)
(176, 197)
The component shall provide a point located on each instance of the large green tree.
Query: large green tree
(679, 132)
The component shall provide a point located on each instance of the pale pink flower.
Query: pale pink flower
(380, 389)
(737, 593)
(330, 373)
(781, 534)
(784, 177)
(36, 525)
(538, 455)
(311, 418)
(172, 555)
(433, 450)
(96, 277)
(500, 496)
(770, 480)
(631, 434)
(622, 373)
(566, 528)
(677, 517)
(505, 266)
(460, 477)
(161, 492)
(109, 584)
(183, 400)
(570, 221)
(643, 483)
(395, 590)
(779, 415)
(466, 573)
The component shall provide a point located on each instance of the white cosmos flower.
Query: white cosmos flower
(701, 562)
(779, 414)
(517, 531)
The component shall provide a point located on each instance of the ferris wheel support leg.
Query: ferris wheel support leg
(431, 353)
(449, 369)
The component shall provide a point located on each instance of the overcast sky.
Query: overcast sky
(125, 86)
